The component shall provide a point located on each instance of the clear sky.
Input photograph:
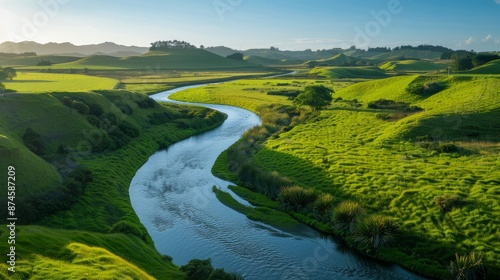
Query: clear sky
(244, 24)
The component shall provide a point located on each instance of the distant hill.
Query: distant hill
(271, 62)
(339, 60)
(492, 67)
(178, 59)
(221, 51)
(349, 72)
(68, 48)
(412, 66)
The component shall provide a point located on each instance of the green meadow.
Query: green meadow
(390, 161)
(30, 82)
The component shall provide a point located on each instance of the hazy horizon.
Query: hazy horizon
(243, 24)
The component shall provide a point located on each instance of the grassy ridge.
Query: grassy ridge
(351, 153)
(412, 66)
(45, 82)
(193, 59)
(34, 60)
(338, 72)
(492, 67)
(102, 217)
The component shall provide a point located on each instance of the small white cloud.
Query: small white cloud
(470, 40)
(489, 37)
(497, 41)
(497, 1)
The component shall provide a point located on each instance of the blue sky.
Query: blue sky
(244, 24)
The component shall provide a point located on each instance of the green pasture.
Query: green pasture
(352, 153)
(27, 82)
(412, 66)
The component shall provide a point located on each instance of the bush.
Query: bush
(33, 141)
(81, 107)
(198, 269)
(467, 267)
(345, 214)
(374, 231)
(296, 198)
(323, 204)
(126, 228)
(447, 202)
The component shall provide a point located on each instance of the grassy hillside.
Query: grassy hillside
(356, 153)
(192, 59)
(45, 82)
(339, 60)
(362, 72)
(271, 62)
(412, 66)
(34, 60)
(406, 54)
(99, 232)
(492, 67)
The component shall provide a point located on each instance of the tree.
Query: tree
(315, 96)
(198, 269)
(10, 72)
(2, 87)
(235, 56)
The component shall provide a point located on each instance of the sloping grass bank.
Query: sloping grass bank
(99, 233)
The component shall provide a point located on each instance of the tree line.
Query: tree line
(466, 60)
(171, 45)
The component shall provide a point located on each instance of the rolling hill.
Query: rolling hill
(358, 72)
(34, 60)
(192, 59)
(412, 66)
(492, 68)
(70, 49)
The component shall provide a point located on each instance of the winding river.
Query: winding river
(172, 195)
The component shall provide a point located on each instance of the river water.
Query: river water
(172, 195)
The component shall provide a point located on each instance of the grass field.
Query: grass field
(351, 153)
(47, 82)
(492, 68)
(339, 72)
(412, 66)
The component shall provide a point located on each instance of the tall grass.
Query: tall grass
(296, 198)
(345, 214)
(468, 267)
(374, 231)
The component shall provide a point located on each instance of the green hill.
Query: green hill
(339, 60)
(405, 54)
(360, 72)
(492, 68)
(190, 59)
(466, 107)
(412, 66)
(90, 227)
(34, 60)
(271, 62)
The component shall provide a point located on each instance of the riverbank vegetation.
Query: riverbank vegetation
(75, 154)
(371, 168)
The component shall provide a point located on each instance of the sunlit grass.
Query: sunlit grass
(47, 82)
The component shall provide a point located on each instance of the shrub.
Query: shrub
(33, 141)
(374, 231)
(467, 267)
(81, 107)
(345, 214)
(447, 202)
(198, 269)
(323, 204)
(296, 198)
(126, 228)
